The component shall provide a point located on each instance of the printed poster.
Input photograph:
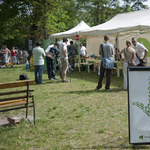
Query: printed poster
(139, 105)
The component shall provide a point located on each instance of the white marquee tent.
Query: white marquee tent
(131, 22)
(72, 32)
(137, 20)
(121, 23)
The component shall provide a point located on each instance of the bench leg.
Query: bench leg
(26, 112)
(34, 111)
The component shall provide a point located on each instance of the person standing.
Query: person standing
(64, 58)
(17, 55)
(38, 54)
(129, 54)
(83, 52)
(141, 52)
(25, 56)
(2, 52)
(7, 51)
(13, 59)
(108, 51)
(51, 53)
(71, 53)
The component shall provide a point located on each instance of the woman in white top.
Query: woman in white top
(129, 54)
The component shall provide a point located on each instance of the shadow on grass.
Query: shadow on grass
(95, 91)
(83, 75)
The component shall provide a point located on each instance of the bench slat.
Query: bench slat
(8, 102)
(15, 104)
(16, 84)
(15, 92)
(15, 98)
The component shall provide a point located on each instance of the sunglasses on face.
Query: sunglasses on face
(133, 41)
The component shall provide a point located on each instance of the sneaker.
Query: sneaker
(42, 83)
(51, 79)
(97, 89)
(108, 89)
(55, 79)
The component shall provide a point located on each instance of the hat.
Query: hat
(38, 43)
(65, 39)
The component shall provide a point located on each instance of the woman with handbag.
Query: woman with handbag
(129, 60)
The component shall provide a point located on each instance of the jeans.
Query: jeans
(3, 59)
(38, 71)
(17, 59)
(50, 69)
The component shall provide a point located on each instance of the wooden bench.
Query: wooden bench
(17, 95)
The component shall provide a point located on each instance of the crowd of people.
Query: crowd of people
(67, 54)
(138, 57)
(12, 56)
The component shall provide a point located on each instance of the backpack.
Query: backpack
(23, 77)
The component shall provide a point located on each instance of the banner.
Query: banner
(139, 105)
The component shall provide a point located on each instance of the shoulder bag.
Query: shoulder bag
(107, 62)
(142, 62)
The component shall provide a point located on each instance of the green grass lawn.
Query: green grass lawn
(70, 115)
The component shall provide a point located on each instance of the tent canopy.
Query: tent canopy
(137, 20)
(72, 32)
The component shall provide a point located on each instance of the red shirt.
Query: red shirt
(12, 53)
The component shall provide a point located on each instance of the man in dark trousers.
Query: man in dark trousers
(51, 53)
(108, 51)
(71, 54)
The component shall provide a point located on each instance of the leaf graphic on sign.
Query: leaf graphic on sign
(141, 137)
(146, 109)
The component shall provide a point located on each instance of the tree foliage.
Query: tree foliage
(133, 5)
(27, 19)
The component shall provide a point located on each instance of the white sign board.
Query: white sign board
(139, 105)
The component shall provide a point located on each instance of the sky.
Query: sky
(145, 3)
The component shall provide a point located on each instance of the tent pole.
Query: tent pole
(79, 54)
(117, 46)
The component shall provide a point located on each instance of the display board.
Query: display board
(139, 105)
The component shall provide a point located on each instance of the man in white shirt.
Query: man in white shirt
(64, 58)
(141, 52)
(38, 54)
